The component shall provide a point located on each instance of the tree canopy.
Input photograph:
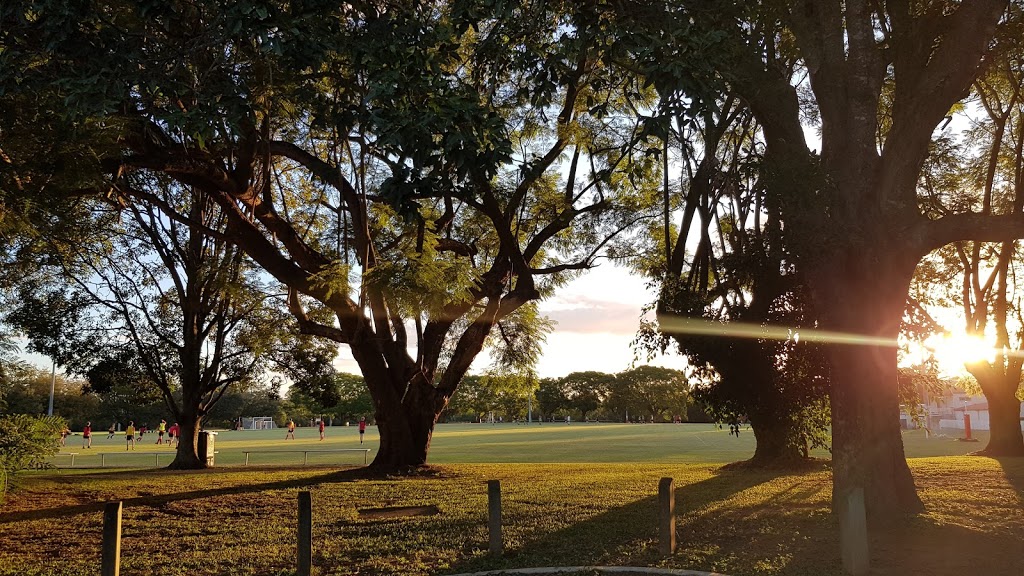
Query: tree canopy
(401, 167)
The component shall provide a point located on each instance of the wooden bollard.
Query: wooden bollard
(667, 516)
(111, 539)
(494, 516)
(305, 533)
(853, 533)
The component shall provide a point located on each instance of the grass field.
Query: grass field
(491, 443)
(583, 494)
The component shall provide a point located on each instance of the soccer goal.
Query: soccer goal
(258, 423)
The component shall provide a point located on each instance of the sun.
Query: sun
(954, 351)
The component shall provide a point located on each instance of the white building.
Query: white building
(948, 412)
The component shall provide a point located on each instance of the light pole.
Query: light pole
(53, 383)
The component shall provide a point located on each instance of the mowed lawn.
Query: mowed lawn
(484, 443)
(572, 496)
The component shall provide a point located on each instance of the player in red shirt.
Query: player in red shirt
(321, 428)
(362, 428)
(172, 433)
(87, 435)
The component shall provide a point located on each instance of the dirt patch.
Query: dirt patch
(398, 512)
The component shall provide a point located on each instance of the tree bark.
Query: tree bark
(862, 297)
(406, 428)
(187, 455)
(1005, 437)
(778, 439)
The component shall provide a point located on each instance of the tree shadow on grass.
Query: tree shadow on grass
(164, 476)
(626, 535)
(1013, 468)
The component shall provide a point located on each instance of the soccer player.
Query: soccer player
(173, 434)
(291, 430)
(362, 428)
(129, 435)
(160, 431)
(87, 435)
(322, 428)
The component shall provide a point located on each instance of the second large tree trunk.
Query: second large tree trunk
(1005, 437)
(778, 440)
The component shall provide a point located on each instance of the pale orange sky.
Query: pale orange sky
(597, 317)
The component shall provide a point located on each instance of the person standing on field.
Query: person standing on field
(129, 435)
(160, 431)
(172, 433)
(110, 431)
(291, 430)
(362, 428)
(87, 435)
(322, 435)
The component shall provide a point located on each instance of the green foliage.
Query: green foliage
(354, 399)
(587, 391)
(651, 392)
(517, 342)
(26, 442)
(333, 279)
(52, 320)
(506, 394)
(551, 397)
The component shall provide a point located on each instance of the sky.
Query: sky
(596, 315)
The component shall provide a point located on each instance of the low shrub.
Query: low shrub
(26, 442)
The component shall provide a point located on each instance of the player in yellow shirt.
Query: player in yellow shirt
(129, 434)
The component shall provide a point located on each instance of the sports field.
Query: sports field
(485, 443)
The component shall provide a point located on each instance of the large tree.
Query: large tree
(176, 307)
(399, 164)
(984, 171)
(650, 391)
(725, 262)
(851, 213)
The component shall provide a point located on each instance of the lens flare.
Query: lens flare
(701, 327)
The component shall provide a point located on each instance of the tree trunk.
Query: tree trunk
(1005, 437)
(863, 297)
(406, 428)
(187, 455)
(778, 440)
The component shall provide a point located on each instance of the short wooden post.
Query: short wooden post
(494, 516)
(667, 515)
(111, 539)
(853, 533)
(305, 533)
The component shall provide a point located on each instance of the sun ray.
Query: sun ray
(699, 326)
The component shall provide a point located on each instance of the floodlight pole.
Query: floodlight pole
(53, 384)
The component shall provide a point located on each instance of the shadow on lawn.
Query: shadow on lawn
(627, 535)
(1013, 468)
(157, 500)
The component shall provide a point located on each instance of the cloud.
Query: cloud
(581, 314)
